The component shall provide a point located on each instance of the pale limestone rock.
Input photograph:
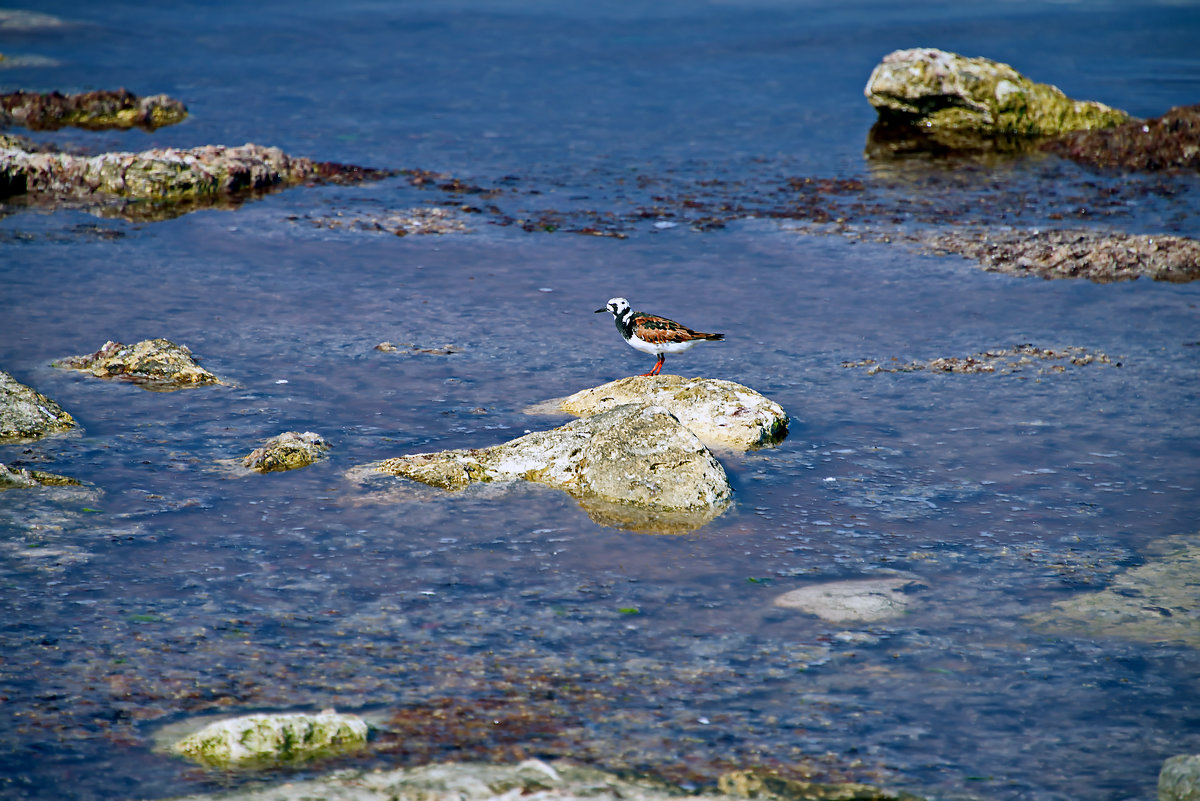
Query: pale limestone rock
(1179, 779)
(723, 414)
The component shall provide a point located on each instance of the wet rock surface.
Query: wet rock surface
(1019, 358)
(1171, 141)
(286, 451)
(93, 110)
(24, 478)
(634, 456)
(938, 90)
(721, 413)
(26, 413)
(265, 740)
(156, 364)
(1098, 256)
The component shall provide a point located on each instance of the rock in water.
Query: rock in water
(154, 363)
(934, 89)
(721, 413)
(28, 414)
(264, 740)
(287, 451)
(636, 456)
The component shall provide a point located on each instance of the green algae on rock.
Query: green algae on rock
(938, 90)
(764, 785)
(26, 413)
(636, 457)
(156, 364)
(23, 478)
(92, 110)
(287, 451)
(264, 740)
(721, 413)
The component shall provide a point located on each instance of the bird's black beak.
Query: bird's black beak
(600, 310)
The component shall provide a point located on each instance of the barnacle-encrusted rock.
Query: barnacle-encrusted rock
(153, 363)
(262, 740)
(628, 458)
(28, 414)
(95, 110)
(287, 451)
(721, 413)
(937, 90)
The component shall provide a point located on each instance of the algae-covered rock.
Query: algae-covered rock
(636, 455)
(1179, 778)
(166, 177)
(721, 413)
(287, 451)
(861, 600)
(28, 414)
(24, 478)
(152, 363)
(264, 739)
(1156, 602)
(759, 784)
(940, 91)
(94, 110)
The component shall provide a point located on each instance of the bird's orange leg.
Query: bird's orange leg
(662, 357)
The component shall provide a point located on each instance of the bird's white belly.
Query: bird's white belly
(655, 348)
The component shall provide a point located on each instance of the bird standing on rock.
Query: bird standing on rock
(652, 334)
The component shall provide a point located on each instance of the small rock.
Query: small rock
(863, 600)
(93, 110)
(635, 456)
(28, 414)
(762, 785)
(1179, 779)
(287, 451)
(721, 413)
(22, 478)
(263, 740)
(153, 363)
(940, 91)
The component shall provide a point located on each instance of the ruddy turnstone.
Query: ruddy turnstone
(652, 334)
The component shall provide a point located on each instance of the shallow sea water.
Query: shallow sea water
(172, 586)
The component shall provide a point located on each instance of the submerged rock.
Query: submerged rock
(636, 456)
(26, 413)
(287, 451)
(1156, 602)
(1171, 141)
(94, 110)
(721, 413)
(945, 95)
(152, 363)
(860, 600)
(263, 740)
(1179, 779)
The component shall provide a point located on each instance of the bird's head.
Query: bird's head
(616, 306)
